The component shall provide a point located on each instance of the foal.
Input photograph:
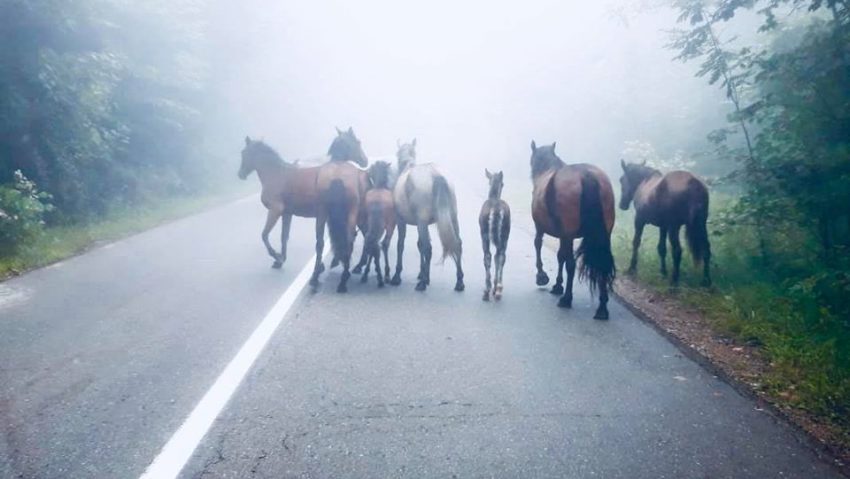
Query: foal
(495, 223)
(380, 221)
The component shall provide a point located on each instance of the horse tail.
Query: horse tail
(375, 226)
(337, 204)
(446, 211)
(696, 230)
(597, 261)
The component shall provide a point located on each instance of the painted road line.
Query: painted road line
(177, 451)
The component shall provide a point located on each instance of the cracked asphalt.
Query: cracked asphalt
(103, 356)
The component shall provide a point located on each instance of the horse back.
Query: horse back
(556, 207)
(676, 196)
(414, 194)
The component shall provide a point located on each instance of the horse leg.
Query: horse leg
(402, 233)
(636, 246)
(353, 214)
(676, 245)
(566, 300)
(366, 267)
(500, 267)
(485, 242)
(602, 311)
(364, 255)
(542, 277)
(662, 249)
(319, 267)
(459, 286)
(271, 220)
(562, 258)
(706, 261)
(385, 247)
(425, 250)
(286, 223)
(376, 255)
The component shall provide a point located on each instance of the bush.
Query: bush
(22, 209)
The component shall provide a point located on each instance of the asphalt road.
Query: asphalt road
(103, 357)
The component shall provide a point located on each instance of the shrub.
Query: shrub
(22, 209)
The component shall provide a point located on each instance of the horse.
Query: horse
(287, 191)
(669, 202)
(380, 221)
(495, 224)
(423, 197)
(341, 187)
(569, 202)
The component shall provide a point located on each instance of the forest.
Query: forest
(109, 105)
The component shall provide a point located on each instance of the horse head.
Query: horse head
(496, 183)
(543, 158)
(346, 147)
(406, 154)
(379, 174)
(633, 175)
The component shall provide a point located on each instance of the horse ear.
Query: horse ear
(413, 142)
(488, 174)
(247, 140)
(351, 131)
(643, 163)
(553, 145)
(533, 146)
(338, 131)
(623, 164)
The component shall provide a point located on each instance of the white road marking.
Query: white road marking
(173, 457)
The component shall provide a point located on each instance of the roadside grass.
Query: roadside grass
(770, 304)
(60, 242)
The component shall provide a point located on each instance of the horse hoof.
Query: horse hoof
(706, 283)
(314, 282)
(380, 284)
(565, 302)
(396, 280)
(357, 269)
(601, 314)
(459, 287)
(321, 268)
(486, 296)
(342, 289)
(334, 263)
(558, 289)
(277, 265)
(497, 295)
(542, 279)
(421, 286)
(633, 271)
(363, 279)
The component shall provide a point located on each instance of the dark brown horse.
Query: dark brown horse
(286, 191)
(669, 202)
(495, 224)
(380, 221)
(569, 202)
(341, 187)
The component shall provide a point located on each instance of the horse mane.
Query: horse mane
(267, 154)
(642, 172)
(545, 159)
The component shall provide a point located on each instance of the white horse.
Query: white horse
(423, 197)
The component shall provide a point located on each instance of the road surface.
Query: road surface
(104, 356)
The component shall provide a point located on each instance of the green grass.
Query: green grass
(60, 242)
(778, 304)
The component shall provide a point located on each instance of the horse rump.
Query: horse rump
(596, 260)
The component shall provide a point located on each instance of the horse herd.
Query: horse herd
(569, 202)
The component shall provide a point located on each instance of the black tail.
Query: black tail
(375, 225)
(696, 230)
(337, 204)
(597, 262)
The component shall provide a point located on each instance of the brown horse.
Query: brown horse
(341, 187)
(380, 221)
(494, 222)
(668, 202)
(286, 191)
(569, 202)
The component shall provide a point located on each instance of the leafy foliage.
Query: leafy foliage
(101, 101)
(22, 209)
